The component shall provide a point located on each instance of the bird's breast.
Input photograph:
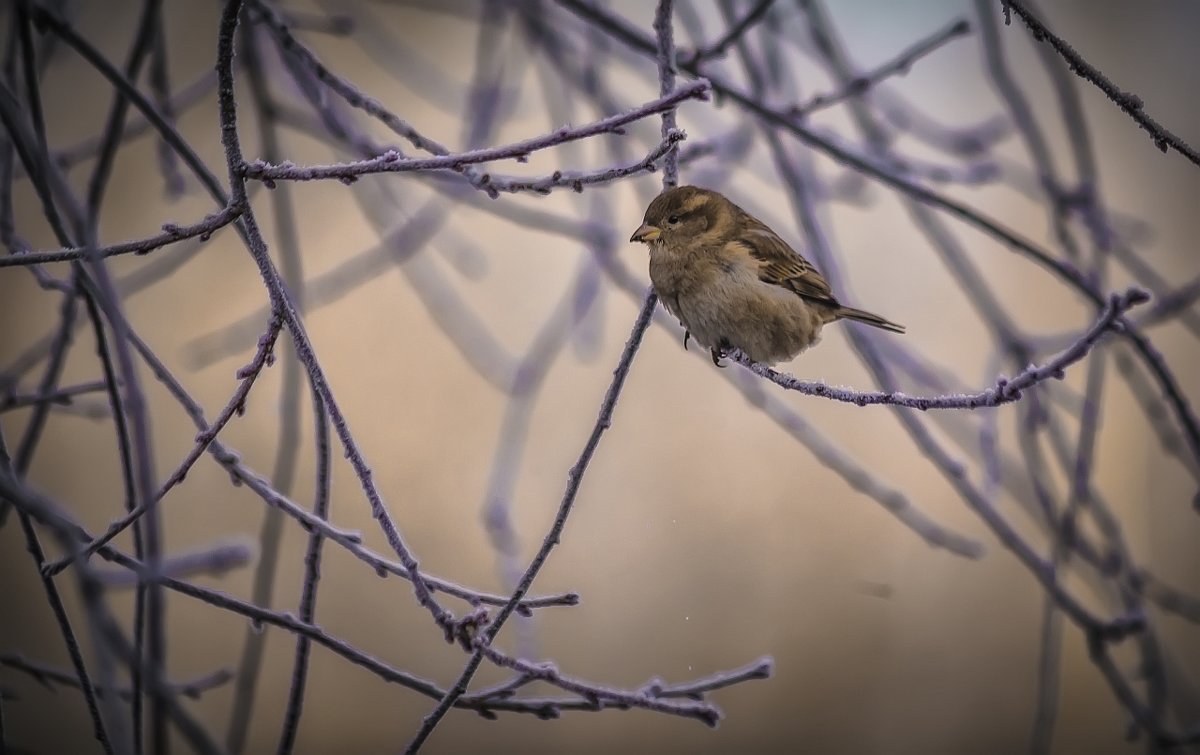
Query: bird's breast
(668, 272)
(682, 273)
(722, 301)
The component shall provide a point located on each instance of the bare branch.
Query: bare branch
(393, 162)
(1131, 104)
(1005, 391)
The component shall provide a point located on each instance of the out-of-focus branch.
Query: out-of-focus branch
(731, 35)
(49, 676)
(898, 66)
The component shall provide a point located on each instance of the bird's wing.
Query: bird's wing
(780, 265)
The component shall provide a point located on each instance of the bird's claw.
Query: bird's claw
(686, 335)
(717, 354)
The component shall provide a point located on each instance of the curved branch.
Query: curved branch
(1006, 391)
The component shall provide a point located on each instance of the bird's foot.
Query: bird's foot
(717, 355)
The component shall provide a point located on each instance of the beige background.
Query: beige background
(703, 537)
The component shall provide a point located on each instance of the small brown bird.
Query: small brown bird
(732, 282)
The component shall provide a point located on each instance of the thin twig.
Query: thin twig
(61, 396)
(171, 234)
(1128, 102)
(393, 162)
(1005, 391)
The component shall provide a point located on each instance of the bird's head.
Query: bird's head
(685, 214)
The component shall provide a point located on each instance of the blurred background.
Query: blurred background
(470, 340)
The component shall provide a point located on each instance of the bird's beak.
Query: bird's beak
(646, 233)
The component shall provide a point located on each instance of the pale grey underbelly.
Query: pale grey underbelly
(768, 323)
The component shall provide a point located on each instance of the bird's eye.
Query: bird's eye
(673, 220)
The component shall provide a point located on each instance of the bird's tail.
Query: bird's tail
(868, 318)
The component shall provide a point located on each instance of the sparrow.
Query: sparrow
(733, 282)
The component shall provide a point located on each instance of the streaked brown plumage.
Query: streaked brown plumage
(733, 282)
